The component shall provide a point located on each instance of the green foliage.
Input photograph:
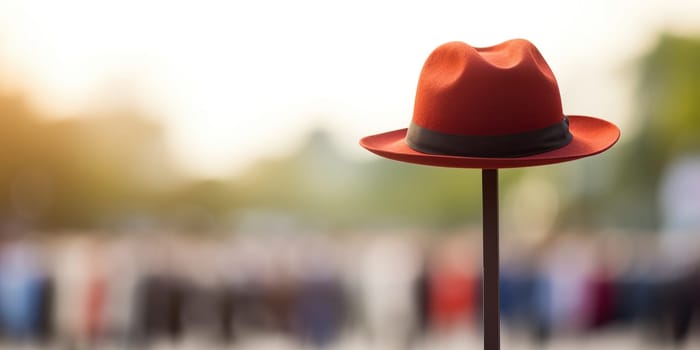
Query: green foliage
(77, 173)
(108, 170)
(668, 112)
(670, 95)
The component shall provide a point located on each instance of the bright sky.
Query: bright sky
(234, 81)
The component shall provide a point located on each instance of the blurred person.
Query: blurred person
(683, 305)
(601, 294)
(232, 297)
(560, 288)
(321, 311)
(91, 287)
(244, 280)
(228, 303)
(122, 264)
(281, 297)
(675, 304)
(200, 312)
(46, 327)
(267, 287)
(78, 293)
(206, 300)
(258, 289)
(639, 286)
(387, 271)
(159, 302)
(224, 294)
(680, 242)
(159, 292)
(321, 298)
(22, 287)
(96, 290)
(680, 214)
(621, 282)
(633, 298)
(421, 295)
(517, 287)
(453, 290)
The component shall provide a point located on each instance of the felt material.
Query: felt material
(477, 93)
(590, 136)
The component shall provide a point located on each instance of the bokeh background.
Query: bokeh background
(186, 175)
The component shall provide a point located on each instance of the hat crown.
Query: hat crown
(498, 90)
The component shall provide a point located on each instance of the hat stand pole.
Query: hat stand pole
(491, 309)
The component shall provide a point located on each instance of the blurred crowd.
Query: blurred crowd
(83, 290)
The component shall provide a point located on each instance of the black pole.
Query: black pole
(489, 188)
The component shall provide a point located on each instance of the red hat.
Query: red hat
(492, 107)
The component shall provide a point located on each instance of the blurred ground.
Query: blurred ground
(619, 340)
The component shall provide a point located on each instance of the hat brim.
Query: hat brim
(590, 136)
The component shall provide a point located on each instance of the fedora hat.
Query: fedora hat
(492, 107)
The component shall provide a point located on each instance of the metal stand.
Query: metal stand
(489, 188)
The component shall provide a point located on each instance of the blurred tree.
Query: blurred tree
(82, 172)
(200, 205)
(668, 110)
(107, 169)
(322, 186)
